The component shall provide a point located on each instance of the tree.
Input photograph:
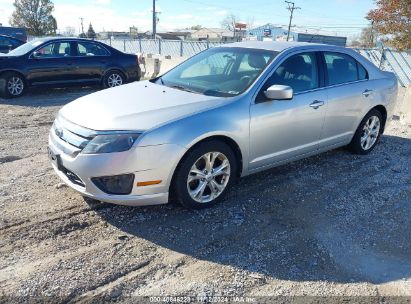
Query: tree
(34, 15)
(393, 18)
(90, 32)
(196, 27)
(229, 22)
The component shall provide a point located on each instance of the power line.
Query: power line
(291, 7)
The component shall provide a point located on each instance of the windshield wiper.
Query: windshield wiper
(183, 89)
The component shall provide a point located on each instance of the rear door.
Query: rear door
(349, 92)
(91, 59)
(53, 64)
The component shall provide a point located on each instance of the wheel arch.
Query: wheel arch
(14, 71)
(380, 108)
(222, 138)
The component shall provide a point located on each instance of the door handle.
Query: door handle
(367, 93)
(316, 104)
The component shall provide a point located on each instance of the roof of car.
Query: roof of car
(277, 46)
(62, 38)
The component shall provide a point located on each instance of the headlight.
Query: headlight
(110, 143)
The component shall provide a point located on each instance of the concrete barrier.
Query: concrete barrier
(153, 65)
(405, 108)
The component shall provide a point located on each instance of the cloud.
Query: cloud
(183, 17)
(221, 13)
(6, 9)
(102, 2)
(102, 18)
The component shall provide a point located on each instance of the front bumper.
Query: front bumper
(126, 200)
(146, 163)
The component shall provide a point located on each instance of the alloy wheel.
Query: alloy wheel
(15, 86)
(208, 177)
(370, 132)
(114, 80)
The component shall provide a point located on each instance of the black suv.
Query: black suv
(8, 43)
(62, 62)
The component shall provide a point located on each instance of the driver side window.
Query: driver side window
(298, 72)
(57, 49)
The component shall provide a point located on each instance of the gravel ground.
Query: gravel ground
(336, 224)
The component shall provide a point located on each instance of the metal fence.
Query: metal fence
(386, 59)
(391, 60)
(175, 48)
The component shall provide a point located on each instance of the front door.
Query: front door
(284, 129)
(52, 64)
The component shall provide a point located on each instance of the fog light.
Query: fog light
(116, 184)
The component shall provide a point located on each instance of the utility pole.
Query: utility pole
(82, 27)
(154, 19)
(291, 7)
(372, 34)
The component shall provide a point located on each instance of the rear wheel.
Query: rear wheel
(368, 133)
(113, 79)
(13, 85)
(205, 174)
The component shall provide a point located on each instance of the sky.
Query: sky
(343, 17)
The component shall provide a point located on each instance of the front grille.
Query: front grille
(76, 136)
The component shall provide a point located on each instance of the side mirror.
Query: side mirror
(279, 92)
(36, 55)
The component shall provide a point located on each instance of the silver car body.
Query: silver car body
(172, 121)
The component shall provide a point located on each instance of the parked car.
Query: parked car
(225, 113)
(8, 43)
(62, 62)
(15, 32)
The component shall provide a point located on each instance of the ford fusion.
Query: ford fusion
(225, 113)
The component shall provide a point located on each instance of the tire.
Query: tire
(368, 133)
(113, 79)
(210, 187)
(13, 85)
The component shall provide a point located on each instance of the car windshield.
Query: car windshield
(25, 48)
(220, 71)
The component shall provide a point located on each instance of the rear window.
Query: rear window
(90, 49)
(342, 68)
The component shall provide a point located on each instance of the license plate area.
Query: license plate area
(54, 158)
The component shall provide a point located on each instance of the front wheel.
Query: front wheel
(368, 133)
(205, 174)
(14, 85)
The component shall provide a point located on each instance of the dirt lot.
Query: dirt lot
(331, 225)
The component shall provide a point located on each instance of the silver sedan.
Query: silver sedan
(225, 113)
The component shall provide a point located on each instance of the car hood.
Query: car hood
(136, 106)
